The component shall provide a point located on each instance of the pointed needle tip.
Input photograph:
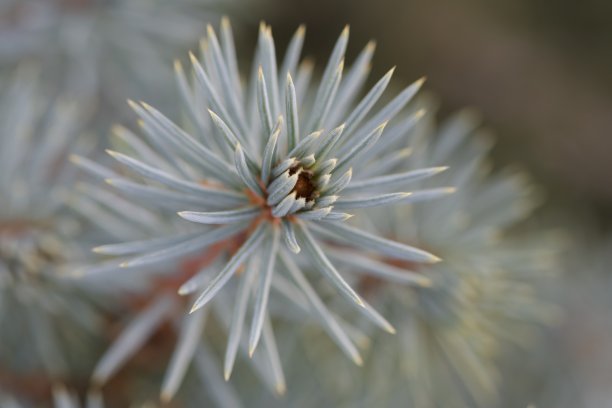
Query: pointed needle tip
(435, 259)
(165, 397)
(194, 308)
(426, 283)
(281, 389)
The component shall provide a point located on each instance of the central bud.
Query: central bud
(305, 186)
(295, 188)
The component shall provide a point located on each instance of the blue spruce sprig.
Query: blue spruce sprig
(266, 175)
